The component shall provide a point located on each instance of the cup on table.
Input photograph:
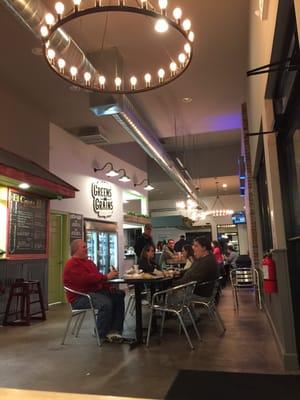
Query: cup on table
(135, 268)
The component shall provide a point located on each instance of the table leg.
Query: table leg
(138, 314)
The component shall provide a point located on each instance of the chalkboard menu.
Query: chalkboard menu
(27, 224)
(76, 227)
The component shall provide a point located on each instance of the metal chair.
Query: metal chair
(79, 315)
(245, 279)
(176, 300)
(130, 306)
(209, 303)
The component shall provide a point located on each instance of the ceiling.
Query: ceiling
(215, 81)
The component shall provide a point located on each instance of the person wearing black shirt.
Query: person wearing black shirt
(144, 240)
(147, 263)
(180, 243)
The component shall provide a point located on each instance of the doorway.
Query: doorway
(57, 257)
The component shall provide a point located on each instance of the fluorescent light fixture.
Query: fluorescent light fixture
(188, 174)
(24, 185)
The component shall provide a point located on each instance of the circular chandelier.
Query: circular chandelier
(94, 79)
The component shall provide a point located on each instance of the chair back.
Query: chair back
(215, 284)
(179, 296)
(243, 277)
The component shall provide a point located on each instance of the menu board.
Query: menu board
(76, 227)
(27, 224)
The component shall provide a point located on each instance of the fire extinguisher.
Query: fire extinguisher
(269, 271)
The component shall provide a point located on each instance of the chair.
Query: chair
(22, 292)
(176, 300)
(79, 316)
(130, 306)
(245, 279)
(209, 303)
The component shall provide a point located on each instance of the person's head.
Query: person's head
(215, 243)
(187, 251)
(147, 252)
(171, 244)
(201, 247)
(230, 248)
(182, 237)
(78, 248)
(148, 230)
(159, 245)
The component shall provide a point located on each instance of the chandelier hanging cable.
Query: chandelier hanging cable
(222, 211)
(133, 83)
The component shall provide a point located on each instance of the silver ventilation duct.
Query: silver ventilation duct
(32, 14)
(124, 112)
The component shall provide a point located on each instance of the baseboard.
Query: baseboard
(289, 360)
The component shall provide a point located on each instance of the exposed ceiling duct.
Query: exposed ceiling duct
(31, 13)
(124, 112)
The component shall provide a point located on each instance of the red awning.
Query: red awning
(15, 169)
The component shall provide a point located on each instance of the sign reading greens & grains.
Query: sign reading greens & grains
(102, 199)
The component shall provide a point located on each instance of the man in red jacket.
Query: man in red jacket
(82, 275)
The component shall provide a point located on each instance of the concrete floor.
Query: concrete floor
(32, 357)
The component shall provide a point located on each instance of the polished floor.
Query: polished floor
(32, 357)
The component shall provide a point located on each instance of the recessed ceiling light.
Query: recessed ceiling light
(224, 185)
(24, 185)
(187, 99)
(37, 51)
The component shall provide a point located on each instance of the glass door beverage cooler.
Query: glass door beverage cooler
(102, 244)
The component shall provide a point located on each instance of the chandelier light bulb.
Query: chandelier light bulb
(76, 4)
(133, 82)
(182, 58)
(187, 48)
(59, 8)
(44, 31)
(49, 18)
(163, 4)
(102, 81)
(161, 74)
(118, 82)
(61, 64)
(161, 25)
(187, 24)
(173, 68)
(191, 36)
(87, 77)
(51, 54)
(73, 72)
(147, 79)
(177, 13)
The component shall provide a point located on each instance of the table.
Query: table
(138, 288)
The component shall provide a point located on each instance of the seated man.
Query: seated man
(82, 275)
(168, 253)
(203, 269)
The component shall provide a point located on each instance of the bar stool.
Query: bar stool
(22, 291)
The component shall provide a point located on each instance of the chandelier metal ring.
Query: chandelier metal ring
(94, 82)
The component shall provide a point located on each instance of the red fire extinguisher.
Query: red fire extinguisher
(269, 270)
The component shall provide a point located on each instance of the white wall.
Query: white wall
(74, 161)
(24, 127)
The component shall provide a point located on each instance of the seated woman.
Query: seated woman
(188, 255)
(147, 263)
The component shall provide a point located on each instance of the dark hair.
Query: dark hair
(170, 240)
(182, 237)
(189, 250)
(145, 250)
(204, 242)
(216, 243)
(159, 245)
